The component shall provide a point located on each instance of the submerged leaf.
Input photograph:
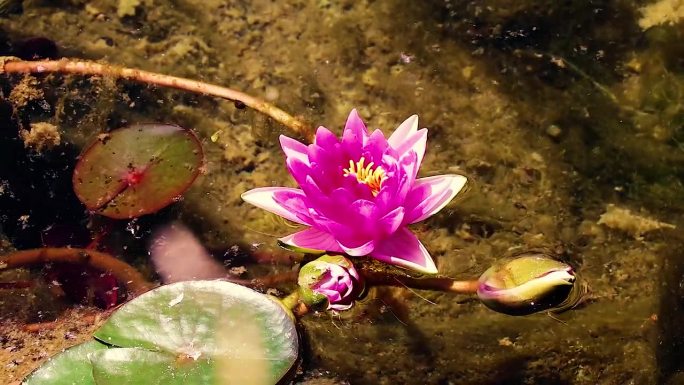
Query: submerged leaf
(207, 322)
(116, 366)
(72, 366)
(137, 170)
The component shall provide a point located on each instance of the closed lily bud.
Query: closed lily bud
(528, 284)
(331, 282)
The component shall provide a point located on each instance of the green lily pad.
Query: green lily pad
(114, 367)
(219, 327)
(137, 170)
(72, 366)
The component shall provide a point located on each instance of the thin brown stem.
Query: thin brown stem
(16, 285)
(126, 274)
(84, 67)
(444, 284)
(266, 281)
(291, 301)
(374, 278)
(300, 309)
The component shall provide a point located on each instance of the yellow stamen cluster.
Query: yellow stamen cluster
(373, 178)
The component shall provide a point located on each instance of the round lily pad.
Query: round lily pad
(72, 366)
(199, 330)
(114, 367)
(137, 170)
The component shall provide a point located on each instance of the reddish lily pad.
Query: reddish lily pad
(137, 170)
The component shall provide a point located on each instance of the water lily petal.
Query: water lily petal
(327, 209)
(312, 239)
(404, 249)
(360, 211)
(408, 165)
(407, 137)
(325, 138)
(329, 225)
(389, 223)
(355, 124)
(298, 169)
(375, 148)
(354, 274)
(264, 198)
(405, 130)
(359, 190)
(327, 162)
(294, 149)
(429, 195)
(332, 295)
(359, 251)
(340, 306)
(354, 136)
(417, 143)
(294, 201)
(326, 283)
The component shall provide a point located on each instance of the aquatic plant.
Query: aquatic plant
(199, 332)
(359, 193)
(137, 170)
(122, 174)
(528, 284)
(330, 280)
(132, 171)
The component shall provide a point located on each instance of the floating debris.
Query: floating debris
(664, 12)
(632, 224)
(41, 136)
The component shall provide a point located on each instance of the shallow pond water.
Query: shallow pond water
(566, 117)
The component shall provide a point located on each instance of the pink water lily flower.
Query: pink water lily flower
(359, 193)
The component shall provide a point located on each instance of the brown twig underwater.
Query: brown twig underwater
(16, 285)
(85, 67)
(126, 274)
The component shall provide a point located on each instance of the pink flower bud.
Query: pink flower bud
(331, 280)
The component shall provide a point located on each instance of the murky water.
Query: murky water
(567, 118)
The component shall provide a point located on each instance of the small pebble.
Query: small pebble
(272, 94)
(554, 131)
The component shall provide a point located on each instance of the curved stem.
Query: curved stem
(84, 67)
(126, 274)
(444, 284)
(374, 278)
(16, 285)
(265, 282)
(300, 309)
(291, 300)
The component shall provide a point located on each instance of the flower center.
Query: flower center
(372, 177)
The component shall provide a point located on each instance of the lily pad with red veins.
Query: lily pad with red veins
(137, 170)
